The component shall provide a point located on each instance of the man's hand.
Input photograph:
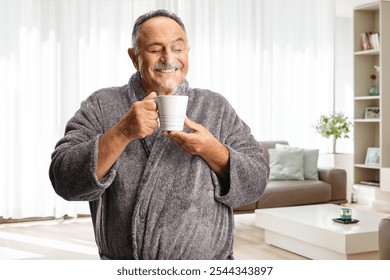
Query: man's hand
(141, 120)
(202, 143)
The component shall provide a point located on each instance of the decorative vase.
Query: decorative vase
(373, 90)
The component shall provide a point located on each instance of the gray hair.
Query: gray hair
(140, 21)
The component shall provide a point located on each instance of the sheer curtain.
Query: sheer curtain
(272, 59)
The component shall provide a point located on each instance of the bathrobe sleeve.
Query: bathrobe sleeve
(73, 166)
(248, 169)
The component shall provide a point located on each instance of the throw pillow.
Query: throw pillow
(310, 161)
(286, 164)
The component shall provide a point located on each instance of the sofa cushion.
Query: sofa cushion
(267, 145)
(286, 164)
(290, 193)
(310, 161)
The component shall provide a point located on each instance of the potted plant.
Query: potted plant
(334, 126)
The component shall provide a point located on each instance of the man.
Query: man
(153, 194)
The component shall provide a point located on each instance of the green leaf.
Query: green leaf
(334, 125)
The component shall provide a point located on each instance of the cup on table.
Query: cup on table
(346, 214)
(171, 111)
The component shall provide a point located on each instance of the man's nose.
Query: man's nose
(167, 55)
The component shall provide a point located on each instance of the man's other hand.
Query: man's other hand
(202, 143)
(199, 142)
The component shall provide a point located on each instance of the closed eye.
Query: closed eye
(177, 47)
(155, 50)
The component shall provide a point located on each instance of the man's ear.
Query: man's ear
(133, 57)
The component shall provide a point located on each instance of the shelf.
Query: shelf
(366, 186)
(367, 97)
(372, 18)
(369, 52)
(367, 166)
(374, 6)
(367, 120)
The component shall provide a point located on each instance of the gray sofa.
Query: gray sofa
(384, 239)
(330, 188)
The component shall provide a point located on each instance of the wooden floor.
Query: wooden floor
(249, 242)
(74, 239)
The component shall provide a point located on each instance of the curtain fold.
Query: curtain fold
(272, 59)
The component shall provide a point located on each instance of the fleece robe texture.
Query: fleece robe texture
(158, 201)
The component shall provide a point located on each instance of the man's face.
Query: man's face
(163, 55)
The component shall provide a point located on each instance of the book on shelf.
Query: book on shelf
(370, 183)
(374, 40)
(369, 41)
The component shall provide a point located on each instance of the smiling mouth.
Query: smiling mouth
(167, 67)
(167, 70)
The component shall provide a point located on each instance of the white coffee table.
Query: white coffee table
(309, 231)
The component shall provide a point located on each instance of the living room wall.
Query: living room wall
(343, 91)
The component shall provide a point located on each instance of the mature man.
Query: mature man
(153, 194)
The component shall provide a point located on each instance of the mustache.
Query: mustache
(167, 66)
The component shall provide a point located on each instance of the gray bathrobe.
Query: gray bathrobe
(158, 201)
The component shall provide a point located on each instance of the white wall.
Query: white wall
(344, 75)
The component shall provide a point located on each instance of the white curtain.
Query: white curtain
(272, 59)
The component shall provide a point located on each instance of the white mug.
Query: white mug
(171, 111)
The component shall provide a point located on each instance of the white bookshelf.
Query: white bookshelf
(372, 17)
